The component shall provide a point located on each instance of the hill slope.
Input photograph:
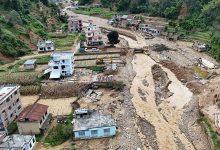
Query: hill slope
(22, 23)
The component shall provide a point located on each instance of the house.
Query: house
(200, 47)
(3, 131)
(93, 124)
(62, 64)
(150, 29)
(18, 142)
(30, 64)
(10, 103)
(93, 35)
(45, 46)
(74, 24)
(34, 119)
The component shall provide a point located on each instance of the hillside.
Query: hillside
(22, 23)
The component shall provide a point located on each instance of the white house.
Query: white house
(30, 64)
(62, 64)
(18, 142)
(45, 46)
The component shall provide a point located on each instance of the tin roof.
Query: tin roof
(33, 112)
(30, 62)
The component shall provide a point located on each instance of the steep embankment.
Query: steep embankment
(22, 23)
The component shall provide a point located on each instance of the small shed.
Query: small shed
(30, 64)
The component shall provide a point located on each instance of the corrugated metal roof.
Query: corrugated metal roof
(33, 112)
(30, 62)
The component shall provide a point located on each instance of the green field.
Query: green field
(93, 11)
(64, 43)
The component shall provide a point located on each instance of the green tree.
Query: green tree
(113, 37)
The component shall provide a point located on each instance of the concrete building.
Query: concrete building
(3, 132)
(18, 142)
(150, 29)
(62, 64)
(74, 24)
(45, 46)
(93, 124)
(30, 64)
(34, 119)
(93, 35)
(10, 103)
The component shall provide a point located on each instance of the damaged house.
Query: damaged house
(90, 124)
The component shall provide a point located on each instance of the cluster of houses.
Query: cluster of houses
(135, 23)
(35, 119)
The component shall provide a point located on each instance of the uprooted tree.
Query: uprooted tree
(113, 37)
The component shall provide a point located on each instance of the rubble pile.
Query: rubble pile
(161, 83)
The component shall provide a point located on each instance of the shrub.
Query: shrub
(62, 90)
(12, 128)
(30, 90)
(59, 134)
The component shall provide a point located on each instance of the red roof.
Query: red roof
(33, 112)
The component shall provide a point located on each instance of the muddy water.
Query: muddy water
(164, 118)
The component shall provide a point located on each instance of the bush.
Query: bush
(97, 68)
(12, 128)
(59, 134)
(30, 90)
(62, 90)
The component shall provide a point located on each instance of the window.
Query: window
(55, 67)
(43, 117)
(63, 61)
(94, 132)
(41, 48)
(33, 140)
(81, 133)
(19, 107)
(23, 149)
(30, 145)
(17, 100)
(45, 113)
(40, 121)
(9, 108)
(107, 131)
(8, 100)
(63, 67)
(48, 48)
(11, 115)
(16, 92)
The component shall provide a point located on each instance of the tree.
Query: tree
(113, 37)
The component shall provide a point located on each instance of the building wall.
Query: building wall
(100, 133)
(28, 127)
(30, 145)
(31, 127)
(10, 108)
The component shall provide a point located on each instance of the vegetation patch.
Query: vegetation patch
(200, 72)
(94, 11)
(21, 78)
(60, 133)
(43, 60)
(12, 128)
(211, 132)
(30, 90)
(64, 43)
(62, 90)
